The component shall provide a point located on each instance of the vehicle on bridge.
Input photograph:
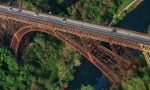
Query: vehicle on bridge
(10, 9)
(81, 26)
(64, 20)
(15, 9)
(114, 31)
(19, 11)
(36, 14)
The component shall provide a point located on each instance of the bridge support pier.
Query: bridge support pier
(146, 53)
(147, 57)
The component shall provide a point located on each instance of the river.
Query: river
(88, 74)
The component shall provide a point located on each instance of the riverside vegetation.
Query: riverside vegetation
(48, 63)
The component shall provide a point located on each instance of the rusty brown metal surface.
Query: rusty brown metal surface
(124, 53)
(87, 34)
(111, 63)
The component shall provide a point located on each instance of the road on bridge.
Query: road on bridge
(111, 31)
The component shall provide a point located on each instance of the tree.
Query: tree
(88, 87)
(148, 30)
(139, 81)
(50, 61)
(8, 68)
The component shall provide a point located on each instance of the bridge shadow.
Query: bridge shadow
(138, 19)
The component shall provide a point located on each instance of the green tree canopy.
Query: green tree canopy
(88, 87)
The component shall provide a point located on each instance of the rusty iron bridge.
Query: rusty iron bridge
(89, 39)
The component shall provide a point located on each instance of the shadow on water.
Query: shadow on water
(138, 19)
(88, 74)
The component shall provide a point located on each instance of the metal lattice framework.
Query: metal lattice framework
(79, 32)
(112, 62)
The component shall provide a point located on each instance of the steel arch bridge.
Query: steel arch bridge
(113, 62)
(112, 65)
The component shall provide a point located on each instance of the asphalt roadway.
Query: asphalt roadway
(111, 31)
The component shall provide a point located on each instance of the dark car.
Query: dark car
(114, 31)
(64, 20)
(19, 11)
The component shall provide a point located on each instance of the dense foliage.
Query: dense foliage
(97, 11)
(139, 80)
(52, 61)
(47, 64)
(9, 75)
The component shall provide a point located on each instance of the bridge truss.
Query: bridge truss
(112, 65)
(114, 62)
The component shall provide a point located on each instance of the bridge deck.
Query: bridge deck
(120, 33)
(61, 27)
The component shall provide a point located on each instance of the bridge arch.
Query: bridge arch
(89, 50)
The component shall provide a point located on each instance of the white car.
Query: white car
(35, 14)
(10, 9)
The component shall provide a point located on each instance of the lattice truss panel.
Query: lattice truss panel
(114, 64)
(146, 52)
(11, 25)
